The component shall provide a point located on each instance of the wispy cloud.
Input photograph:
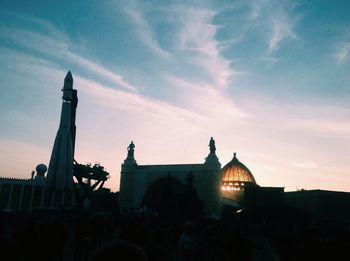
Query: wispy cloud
(269, 59)
(276, 18)
(207, 103)
(305, 165)
(198, 37)
(94, 67)
(143, 28)
(195, 43)
(58, 47)
(133, 102)
(342, 53)
(207, 100)
(194, 37)
(255, 10)
(281, 30)
(271, 21)
(326, 127)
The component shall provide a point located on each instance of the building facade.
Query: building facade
(23, 195)
(136, 181)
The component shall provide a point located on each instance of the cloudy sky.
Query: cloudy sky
(268, 79)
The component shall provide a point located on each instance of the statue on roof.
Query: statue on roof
(131, 150)
(212, 145)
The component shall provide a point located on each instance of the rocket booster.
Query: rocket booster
(60, 176)
(74, 105)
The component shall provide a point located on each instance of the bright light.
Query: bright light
(223, 188)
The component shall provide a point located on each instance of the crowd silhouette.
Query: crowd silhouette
(271, 233)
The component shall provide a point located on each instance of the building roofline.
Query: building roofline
(172, 165)
(317, 190)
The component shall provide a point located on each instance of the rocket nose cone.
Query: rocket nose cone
(68, 82)
(68, 77)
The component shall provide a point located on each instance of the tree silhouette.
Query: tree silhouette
(190, 206)
(162, 197)
(167, 203)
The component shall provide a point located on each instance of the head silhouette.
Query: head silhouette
(119, 250)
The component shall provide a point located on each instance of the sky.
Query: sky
(268, 79)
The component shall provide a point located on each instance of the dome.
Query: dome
(235, 175)
(41, 169)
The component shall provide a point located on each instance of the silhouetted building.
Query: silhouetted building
(233, 185)
(256, 196)
(23, 194)
(325, 206)
(137, 181)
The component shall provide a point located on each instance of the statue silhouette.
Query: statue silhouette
(212, 145)
(131, 150)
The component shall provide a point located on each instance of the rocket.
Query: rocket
(74, 105)
(59, 179)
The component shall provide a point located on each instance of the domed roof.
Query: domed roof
(235, 171)
(41, 169)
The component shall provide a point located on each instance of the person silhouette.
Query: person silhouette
(119, 250)
(186, 245)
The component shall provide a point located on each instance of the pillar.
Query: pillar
(21, 198)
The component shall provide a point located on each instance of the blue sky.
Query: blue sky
(267, 79)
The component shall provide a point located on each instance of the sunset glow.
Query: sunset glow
(269, 80)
